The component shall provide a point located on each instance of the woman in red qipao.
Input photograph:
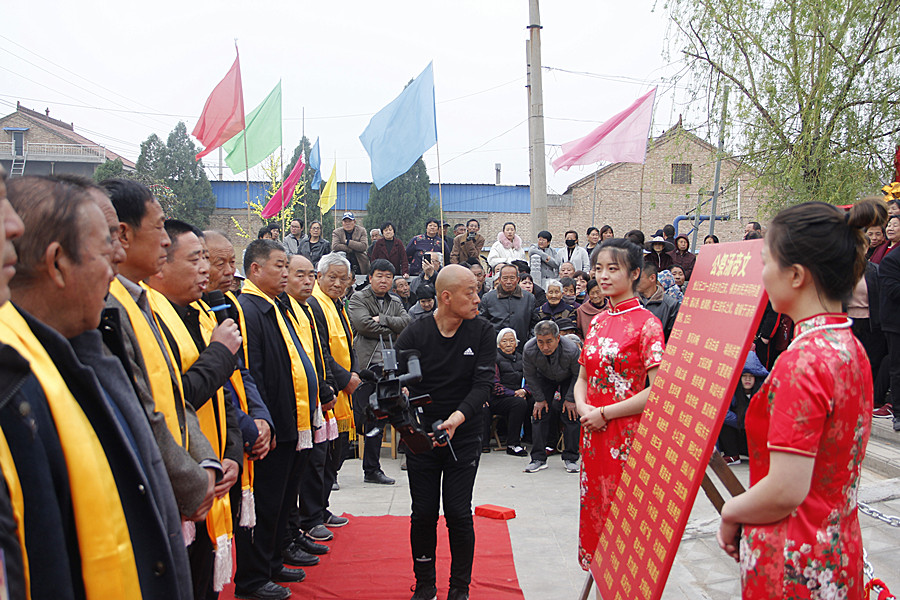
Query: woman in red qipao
(623, 348)
(795, 532)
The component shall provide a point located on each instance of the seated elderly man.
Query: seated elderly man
(551, 365)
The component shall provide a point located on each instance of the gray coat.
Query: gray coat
(549, 262)
(514, 310)
(392, 319)
(558, 367)
(90, 349)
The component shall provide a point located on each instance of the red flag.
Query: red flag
(223, 114)
(286, 192)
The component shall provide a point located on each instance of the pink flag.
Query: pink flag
(286, 192)
(623, 138)
(223, 114)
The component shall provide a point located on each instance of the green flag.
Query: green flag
(263, 133)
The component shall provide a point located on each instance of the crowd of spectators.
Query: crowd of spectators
(142, 327)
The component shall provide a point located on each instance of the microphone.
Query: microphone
(218, 304)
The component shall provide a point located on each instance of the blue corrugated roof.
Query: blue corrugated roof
(458, 197)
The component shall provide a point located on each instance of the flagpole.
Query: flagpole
(247, 173)
(302, 137)
(437, 145)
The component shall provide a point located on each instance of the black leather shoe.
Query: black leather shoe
(267, 591)
(295, 556)
(287, 575)
(378, 477)
(307, 545)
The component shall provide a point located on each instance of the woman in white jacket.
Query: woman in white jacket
(573, 253)
(507, 248)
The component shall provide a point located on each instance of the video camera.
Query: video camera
(383, 401)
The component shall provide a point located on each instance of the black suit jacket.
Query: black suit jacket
(149, 535)
(270, 366)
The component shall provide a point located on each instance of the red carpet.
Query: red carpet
(370, 559)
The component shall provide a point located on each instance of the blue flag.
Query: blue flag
(314, 161)
(402, 131)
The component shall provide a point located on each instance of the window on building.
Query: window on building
(681, 174)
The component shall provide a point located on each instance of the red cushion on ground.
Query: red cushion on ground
(492, 511)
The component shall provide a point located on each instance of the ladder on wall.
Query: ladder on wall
(18, 166)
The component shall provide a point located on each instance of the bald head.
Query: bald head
(301, 278)
(452, 277)
(457, 295)
(221, 261)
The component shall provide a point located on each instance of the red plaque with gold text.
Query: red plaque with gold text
(677, 433)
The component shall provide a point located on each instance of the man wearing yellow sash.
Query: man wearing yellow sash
(98, 506)
(288, 384)
(336, 338)
(312, 512)
(207, 354)
(12, 526)
(190, 462)
(94, 349)
(252, 415)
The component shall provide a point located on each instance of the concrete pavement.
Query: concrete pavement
(544, 533)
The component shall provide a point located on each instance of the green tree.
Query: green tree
(405, 201)
(109, 169)
(816, 110)
(173, 165)
(304, 197)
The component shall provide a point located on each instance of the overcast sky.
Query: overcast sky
(125, 70)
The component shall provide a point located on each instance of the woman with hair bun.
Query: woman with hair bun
(795, 532)
(622, 351)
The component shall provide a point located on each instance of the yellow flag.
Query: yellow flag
(329, 192)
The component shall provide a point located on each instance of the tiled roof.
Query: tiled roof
(67, 130)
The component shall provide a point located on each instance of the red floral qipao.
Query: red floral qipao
(622, 344)
(816, 402)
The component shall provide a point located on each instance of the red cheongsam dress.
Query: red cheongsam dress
(816, 402)
(622, 344)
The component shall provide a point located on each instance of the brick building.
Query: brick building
(679, 167)
(32, 143)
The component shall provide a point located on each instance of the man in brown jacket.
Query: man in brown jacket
(351, 239)
(467, 245)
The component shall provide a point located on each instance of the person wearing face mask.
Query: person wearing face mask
(573, 253)
(568, 290)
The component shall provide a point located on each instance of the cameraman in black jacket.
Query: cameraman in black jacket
(457, 358)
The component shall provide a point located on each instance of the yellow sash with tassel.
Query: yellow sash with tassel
(155, 362)
(302, 386)
(340, 351)
(218, 520)
(107, 557)
(309, 337)
(11, 475)
(248, 503)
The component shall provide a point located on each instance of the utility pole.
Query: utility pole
(538, 177)
(712, 210)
